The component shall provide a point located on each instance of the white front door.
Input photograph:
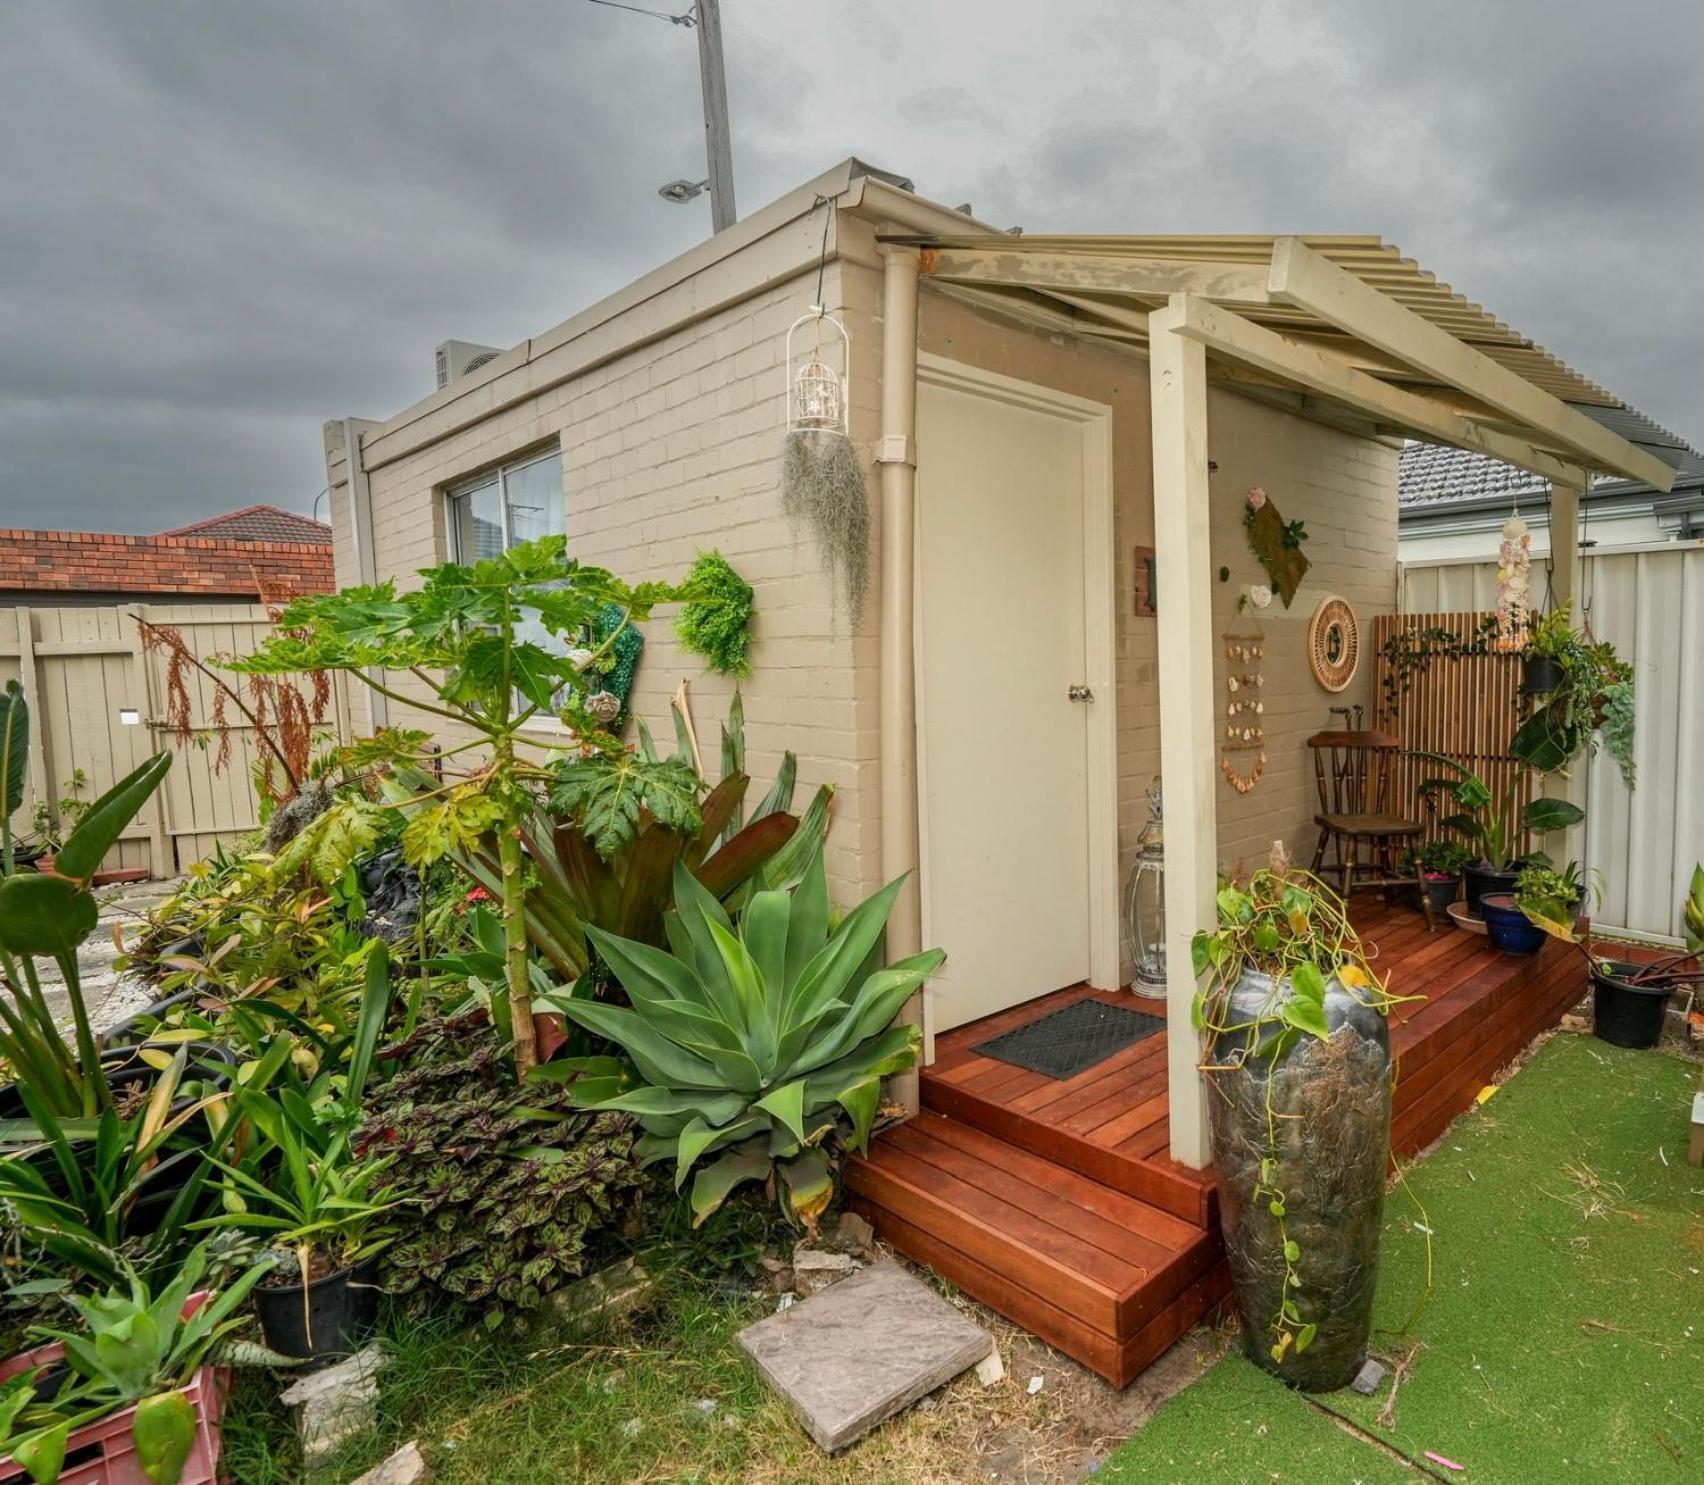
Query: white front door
(1004, 753)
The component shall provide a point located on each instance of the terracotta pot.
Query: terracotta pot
(1332, 1099)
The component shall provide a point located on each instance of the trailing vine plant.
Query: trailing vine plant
(1410, 651)
(1289, 925)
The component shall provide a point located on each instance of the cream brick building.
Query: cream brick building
(668, 405)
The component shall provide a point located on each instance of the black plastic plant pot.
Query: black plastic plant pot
(1441, 892)
(1540, 675)
(1481, 879)
(1508, 928)
(342, 1309)
(128, 1030)
(1627, 1015)
(1332, 1140)
(208, 1062)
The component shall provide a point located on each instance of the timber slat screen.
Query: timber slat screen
(97, 700)
(1466, 708)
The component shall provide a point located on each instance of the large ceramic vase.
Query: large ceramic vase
(1331, 1100)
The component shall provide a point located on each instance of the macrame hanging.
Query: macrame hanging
(1514, 583)
(822, 478)
(1245, 706)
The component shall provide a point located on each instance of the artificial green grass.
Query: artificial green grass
(1562, 1337)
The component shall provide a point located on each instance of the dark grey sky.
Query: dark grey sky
(221, 223)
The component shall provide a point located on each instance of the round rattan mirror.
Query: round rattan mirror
(1334, 643)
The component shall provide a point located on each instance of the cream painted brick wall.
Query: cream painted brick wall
(667, 452)
(675, 448)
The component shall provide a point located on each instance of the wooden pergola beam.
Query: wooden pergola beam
(1104, 273)
(1306, 279)
(1242, 340)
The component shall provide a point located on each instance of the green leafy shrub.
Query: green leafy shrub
(761, 1046)
(715, 621)
(1448, 858)
(508, 1182)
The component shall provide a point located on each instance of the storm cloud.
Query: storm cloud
(221, 224)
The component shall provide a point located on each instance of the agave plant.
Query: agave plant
(754, 1049)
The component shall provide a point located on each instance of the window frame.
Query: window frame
(497, 474)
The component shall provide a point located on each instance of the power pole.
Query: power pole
(718, 143)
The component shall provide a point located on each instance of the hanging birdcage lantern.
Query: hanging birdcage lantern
(1145, 902)
(817, 391)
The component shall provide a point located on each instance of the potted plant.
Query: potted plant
(1512, 918)
(322, 1208)
(1441, 865)
(1298, 1061)
(129, 1396)
(1495, 825)
(1589, 705)
(1629, 999)
(1548, 641)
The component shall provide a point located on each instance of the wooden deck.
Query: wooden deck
(1054, 1201)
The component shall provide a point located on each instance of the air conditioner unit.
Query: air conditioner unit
(456, 358)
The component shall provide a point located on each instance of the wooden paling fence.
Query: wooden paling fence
(97, 699)
(1463, 701)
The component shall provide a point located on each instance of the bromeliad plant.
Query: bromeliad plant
(753, 1048)
(1495, 825)
(488, 647)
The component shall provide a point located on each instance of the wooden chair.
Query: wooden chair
(1353, 771)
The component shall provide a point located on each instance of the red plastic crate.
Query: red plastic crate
(103, 1453)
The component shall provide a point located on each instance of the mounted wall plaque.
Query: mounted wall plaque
(1334, 643)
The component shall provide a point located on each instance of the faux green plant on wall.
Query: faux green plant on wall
(715, 620)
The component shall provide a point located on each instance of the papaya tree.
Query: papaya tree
(489, 648)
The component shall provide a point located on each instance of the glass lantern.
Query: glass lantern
(1145, 903)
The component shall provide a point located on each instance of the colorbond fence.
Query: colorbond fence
(97, 699)
(1650, 605)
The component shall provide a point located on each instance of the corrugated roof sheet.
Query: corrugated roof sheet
(1435, 475)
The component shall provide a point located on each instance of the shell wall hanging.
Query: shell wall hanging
(1244, 733)
(1514, 583)
(822, 478)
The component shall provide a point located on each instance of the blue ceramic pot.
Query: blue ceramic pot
(1508, 927)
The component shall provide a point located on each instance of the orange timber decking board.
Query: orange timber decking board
(1053, 1200)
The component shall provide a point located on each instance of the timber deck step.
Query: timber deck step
(1105, 1276)
(1054, 1200)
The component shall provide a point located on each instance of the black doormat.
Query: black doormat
(1063, 1044)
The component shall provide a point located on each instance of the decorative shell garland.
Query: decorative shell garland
(1514, 583)
(1245, 706)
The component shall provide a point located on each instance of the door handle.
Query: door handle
(1079, 692)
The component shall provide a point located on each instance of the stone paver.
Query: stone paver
(110, 996)
(863, 1350)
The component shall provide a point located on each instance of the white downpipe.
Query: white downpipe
(897, 460)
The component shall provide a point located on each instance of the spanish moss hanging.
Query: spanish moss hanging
(822, 478)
